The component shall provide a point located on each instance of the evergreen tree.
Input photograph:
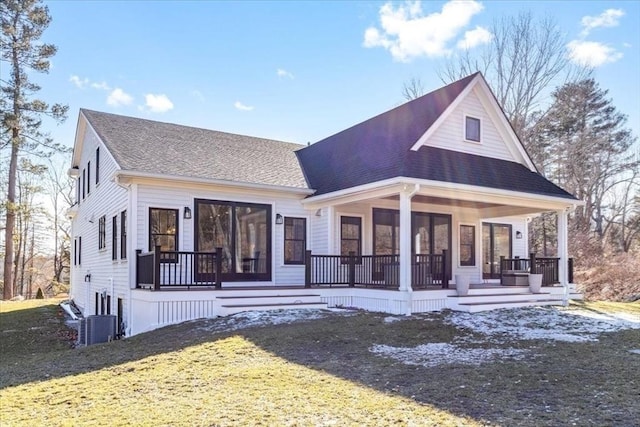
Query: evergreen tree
(589, 149)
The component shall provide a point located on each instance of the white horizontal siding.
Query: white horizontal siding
(177, 197)
(450, 134)
(104, 199)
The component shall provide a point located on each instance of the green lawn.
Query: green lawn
(316, 372)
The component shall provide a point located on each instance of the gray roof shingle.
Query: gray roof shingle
(155, 147)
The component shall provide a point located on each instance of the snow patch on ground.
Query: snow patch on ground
(545, 323)
(503, 326)
(250, 319)
(436, 354)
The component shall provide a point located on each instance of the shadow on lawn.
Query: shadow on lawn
(592, 383)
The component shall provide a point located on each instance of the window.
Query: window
(79, 250)
(472, 129)
(242, 230)
(88, 177)
(467, 245)
(350, 235)
(77, 246)
(84, 177)
(102, 232)
(114, 238)
(123, 235)
(78, 190)
(295, 240)
(97, 165)
(163, 231)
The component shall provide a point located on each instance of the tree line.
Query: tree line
(573, 133)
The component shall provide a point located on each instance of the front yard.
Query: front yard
(543, 366)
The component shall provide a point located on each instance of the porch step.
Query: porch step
(231, 304)
(497, 297)
(474, 307)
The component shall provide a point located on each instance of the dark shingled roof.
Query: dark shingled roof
(380, 148)
(148, 146)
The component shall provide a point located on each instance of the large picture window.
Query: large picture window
(295, 240)
(467, 245)
(242, 230)
(163, 231)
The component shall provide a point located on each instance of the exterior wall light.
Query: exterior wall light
(279, 219)
(518, 234)
(187, 212)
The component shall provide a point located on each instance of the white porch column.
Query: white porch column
(405, 246)
(563, 254)
(405, 240)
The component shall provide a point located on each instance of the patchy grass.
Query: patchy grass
(320, 371)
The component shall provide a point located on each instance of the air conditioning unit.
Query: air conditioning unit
(97, 329)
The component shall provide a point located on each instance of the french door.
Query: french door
(431, 234)
(496, 242)
(242, 230)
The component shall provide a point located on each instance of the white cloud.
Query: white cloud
(240, 106)
(591, 54)
(474, 38)
(608, 18)
(407, 33)
(101, 86)
(284, 73)
(118, 97)
(158, 103)
(80, 83)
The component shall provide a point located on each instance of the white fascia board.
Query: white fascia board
(441, 189)
(361, 192)
(125, 176)
(78, 141)
(445, 114)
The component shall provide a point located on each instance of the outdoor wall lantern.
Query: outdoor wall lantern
(187, 212)
(87, 277)
(518, 234)
(279, 219)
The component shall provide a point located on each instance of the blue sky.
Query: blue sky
(297, 71)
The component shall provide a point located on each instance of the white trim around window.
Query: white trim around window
(474, 119)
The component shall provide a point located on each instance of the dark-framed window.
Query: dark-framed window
(97, 165)
(472, 129)
(114, 238)
(84, 185)
(242, 230)
(350, 235)
(295, 240)
(467, 245)
(88, 177)
(163, 231)
(123, 235)
(78, 184)
(102, 232)
(77, 248)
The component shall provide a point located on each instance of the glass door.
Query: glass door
(496, 242)
(242, 230)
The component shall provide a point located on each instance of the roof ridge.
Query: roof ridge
(158, 122)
